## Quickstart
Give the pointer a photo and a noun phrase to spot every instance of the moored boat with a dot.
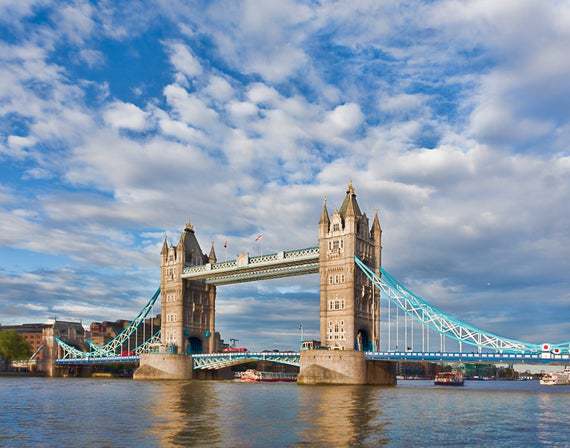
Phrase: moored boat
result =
(453, 378)
(255, 376)
(556, 378)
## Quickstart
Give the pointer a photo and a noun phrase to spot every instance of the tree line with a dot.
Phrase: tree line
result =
(13, 346)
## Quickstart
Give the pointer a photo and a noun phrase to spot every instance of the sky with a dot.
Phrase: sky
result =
(120, 121)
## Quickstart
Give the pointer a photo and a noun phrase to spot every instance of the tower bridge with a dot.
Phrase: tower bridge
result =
(367, 317)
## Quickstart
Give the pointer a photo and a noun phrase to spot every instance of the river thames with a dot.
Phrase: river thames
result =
(107, 413)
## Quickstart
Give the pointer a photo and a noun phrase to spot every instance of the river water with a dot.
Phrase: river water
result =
(39, 412)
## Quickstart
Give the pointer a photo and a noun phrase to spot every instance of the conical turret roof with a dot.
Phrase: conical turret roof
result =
(350, 206)
(212, 257)
(325, 214)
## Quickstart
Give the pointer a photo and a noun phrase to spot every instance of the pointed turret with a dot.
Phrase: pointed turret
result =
(325, 214)
(188, 228)
(376, 234)
(164, 249)
(212, 257)
(350, 206)
(376, 229)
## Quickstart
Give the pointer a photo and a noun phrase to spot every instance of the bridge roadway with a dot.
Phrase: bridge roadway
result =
(244, 268)
(215, 361)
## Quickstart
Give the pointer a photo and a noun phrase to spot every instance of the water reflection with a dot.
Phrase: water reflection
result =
(341, 415)
(185, 414)
(80, 412)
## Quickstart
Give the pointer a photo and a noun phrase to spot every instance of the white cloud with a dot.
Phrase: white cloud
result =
(346, 117)
(261, 93)
(75, 21)
(183, 60)
(190, 107)
(219, 88)
(182, 131)
(125, 115)
(260, 37)
(402, 102)
(242, 109)
(92, 57)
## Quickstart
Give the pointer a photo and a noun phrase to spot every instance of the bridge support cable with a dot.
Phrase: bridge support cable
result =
(432, 317)
(129, 338)
(389, 323)
(126, 334)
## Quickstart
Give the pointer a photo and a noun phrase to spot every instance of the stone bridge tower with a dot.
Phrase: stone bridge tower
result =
(349, 306)
(188, 308)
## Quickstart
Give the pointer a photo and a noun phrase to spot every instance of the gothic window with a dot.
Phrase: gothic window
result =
(336, 227)
(336, 245)
(342, 278)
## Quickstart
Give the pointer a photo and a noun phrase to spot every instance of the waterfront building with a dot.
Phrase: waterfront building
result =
(32, 333)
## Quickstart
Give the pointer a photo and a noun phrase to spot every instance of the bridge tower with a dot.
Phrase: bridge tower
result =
(349, 311)
(349, 306)
(188, 307)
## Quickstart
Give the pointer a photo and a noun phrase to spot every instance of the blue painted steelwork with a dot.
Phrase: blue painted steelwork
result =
(214, 361)
(110, 348)
(449, 326)
(526, 358)
(97, 360)
(72, 353)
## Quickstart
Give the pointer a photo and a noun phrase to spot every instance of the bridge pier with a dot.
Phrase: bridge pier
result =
(164, 366)
(344, 367)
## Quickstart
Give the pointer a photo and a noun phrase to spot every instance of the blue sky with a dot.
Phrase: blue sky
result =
(120, 121)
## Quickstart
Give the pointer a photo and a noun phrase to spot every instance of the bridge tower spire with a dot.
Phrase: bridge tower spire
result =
(349, 311)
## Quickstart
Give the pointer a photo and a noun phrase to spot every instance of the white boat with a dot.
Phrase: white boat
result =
(557, 378)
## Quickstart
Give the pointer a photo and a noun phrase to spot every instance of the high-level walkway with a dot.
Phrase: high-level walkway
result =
(287, 263)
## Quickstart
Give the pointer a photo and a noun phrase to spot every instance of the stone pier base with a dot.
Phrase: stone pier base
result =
(344, 367)
(164, 366)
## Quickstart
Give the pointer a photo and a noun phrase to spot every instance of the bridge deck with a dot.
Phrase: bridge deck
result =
(220, 360)
(247, 269)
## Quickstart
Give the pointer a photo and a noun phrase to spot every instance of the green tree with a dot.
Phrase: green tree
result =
(13, 346)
